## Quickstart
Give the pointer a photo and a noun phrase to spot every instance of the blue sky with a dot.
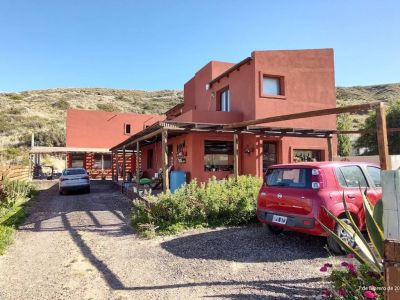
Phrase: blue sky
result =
(153, 45)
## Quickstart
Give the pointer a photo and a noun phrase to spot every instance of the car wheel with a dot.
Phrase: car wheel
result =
(333, 245)
(61, 192)
(87, 190)
(275, 229)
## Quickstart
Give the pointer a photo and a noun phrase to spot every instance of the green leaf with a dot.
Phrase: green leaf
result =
(374, 231)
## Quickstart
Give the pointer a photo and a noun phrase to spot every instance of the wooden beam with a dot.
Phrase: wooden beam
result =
(381, 132)
(164, 159)
(330, 151)
(236, 155)
(306, 114)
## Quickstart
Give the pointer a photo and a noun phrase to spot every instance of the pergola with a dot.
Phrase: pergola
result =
(161, 131)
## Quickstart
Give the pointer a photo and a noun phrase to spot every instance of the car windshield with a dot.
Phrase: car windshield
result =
(74, 172)
(289, 177)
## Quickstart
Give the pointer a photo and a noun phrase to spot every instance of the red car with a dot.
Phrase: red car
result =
(293, 196)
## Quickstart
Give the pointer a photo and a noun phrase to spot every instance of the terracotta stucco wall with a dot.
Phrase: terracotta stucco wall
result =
(308, 83)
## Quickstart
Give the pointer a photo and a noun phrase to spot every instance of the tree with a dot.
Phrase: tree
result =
(344, 141)
(369, 140)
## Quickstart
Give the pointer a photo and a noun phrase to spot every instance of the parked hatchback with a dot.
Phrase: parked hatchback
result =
(73, 179)
(293, 196)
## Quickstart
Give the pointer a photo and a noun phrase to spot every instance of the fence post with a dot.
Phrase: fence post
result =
(391, 223)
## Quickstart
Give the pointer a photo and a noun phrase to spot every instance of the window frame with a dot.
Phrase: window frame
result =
(339, 169)
(219, 99)
(230, 152)
(126, 131)
(282, 89)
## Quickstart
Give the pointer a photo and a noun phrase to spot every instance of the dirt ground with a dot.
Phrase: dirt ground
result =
(80, 247)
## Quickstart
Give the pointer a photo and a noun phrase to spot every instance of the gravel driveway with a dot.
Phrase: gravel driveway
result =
(80, 247)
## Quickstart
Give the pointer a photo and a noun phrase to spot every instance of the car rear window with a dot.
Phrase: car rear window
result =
(289, 177)
(74, 172)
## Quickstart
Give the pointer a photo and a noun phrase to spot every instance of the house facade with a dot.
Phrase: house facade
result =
(266, 84)
(90, 134)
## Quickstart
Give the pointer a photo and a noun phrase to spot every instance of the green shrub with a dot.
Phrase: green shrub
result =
(215, 203)
(61, 104)
(107, 107)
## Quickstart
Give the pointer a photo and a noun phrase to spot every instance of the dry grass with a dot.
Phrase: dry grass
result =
(43, 111)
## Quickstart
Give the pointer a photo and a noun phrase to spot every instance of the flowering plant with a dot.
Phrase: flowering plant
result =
(352, 281)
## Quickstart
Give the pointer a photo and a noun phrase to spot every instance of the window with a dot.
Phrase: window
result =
(150, 159)
(74, 172)
(107, 161)
(97, 161)
(272, 85)
(375, 174)
(351, 176)
(224, 100)
(291, 178)
(77, 160)
(218, 156)
(102, 161)
(127, 128)
(306, 155)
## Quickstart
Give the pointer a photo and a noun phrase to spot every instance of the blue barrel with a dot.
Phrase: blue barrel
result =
(177, 179)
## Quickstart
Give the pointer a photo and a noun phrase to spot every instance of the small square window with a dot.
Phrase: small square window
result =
(272, 86)
(127, 128)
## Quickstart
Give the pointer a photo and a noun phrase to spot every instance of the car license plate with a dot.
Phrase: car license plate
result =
(279, 219)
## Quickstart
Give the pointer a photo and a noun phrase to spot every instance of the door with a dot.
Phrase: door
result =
(269, 155)
(351, 179)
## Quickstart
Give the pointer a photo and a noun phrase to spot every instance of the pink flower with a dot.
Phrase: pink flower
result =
(369, 295)
(342, 292)
(344, 264)
(323, 269)
(350, 255)
(326, 292)
(328, 265)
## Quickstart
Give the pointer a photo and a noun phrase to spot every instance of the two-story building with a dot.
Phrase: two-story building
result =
(198, 137)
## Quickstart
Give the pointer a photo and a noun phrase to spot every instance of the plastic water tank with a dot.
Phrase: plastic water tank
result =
(177, 179)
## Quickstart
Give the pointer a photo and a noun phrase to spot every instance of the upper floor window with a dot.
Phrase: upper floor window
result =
(127, 128)
(224, 100)
(273, 85)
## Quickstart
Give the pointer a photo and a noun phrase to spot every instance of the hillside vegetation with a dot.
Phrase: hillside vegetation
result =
(361, 94)
(43, 111)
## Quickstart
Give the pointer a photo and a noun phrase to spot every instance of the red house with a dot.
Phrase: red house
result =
(90, 135)
(196, 138)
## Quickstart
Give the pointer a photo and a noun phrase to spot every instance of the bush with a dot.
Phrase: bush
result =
(61, 104)
(215, 203)
(13, 195)
(107, 107)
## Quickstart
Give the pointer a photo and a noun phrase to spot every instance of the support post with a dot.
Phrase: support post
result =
(236, 155)
(137, 166)
(391, 223)
(381, 132)
(330, 151)
(123, 167)
(112, 166)
(164, 159)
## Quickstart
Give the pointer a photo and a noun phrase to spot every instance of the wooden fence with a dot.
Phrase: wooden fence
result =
(14, 172)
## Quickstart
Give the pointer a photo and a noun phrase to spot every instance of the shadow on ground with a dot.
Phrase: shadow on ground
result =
(240, 244)
(247, 244)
